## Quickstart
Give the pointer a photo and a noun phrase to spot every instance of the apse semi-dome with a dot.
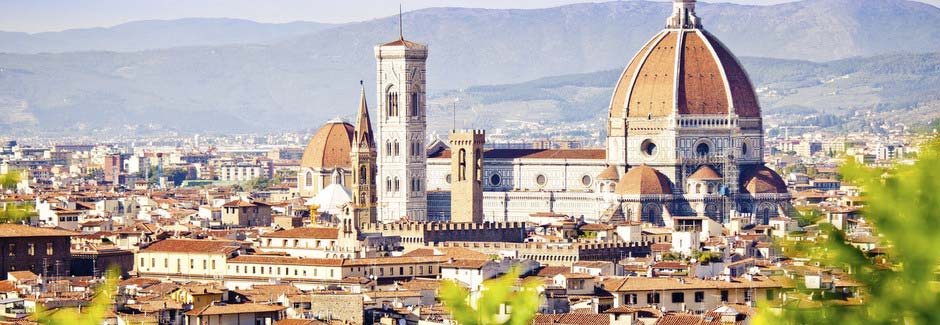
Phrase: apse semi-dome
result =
(762, 180)
(643, 180)
(684, 70)
(329, 147)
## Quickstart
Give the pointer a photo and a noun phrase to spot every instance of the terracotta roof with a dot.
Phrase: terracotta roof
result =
(591, 154)
(305, 232)
(286, 260)
(572, 318)
(643, 180)
(7, 286)
(759, 179)
(465, 264)
(609, 174)
(192, 246)
(16, 230)
(234, 309)
(705, 172)
(403, 42)
(238, 203)
(663, 284)
(329, 147)
(23, 276)
(650, 83)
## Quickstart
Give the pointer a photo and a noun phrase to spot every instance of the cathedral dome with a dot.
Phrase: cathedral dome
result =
(710, 79)
(329, 147)
(705, 172)
(643, 180)
(762, 180)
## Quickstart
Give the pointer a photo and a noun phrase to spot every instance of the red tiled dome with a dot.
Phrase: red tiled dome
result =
(643, 180)
(329, 147)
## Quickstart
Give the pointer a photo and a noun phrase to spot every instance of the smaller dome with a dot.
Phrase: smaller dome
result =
(705, 172)
(329, 147)
(609, 174)
(762, 180)
(643, 180)
(331, 199)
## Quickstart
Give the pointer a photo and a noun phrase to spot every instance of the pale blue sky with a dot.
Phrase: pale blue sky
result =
(53, 15)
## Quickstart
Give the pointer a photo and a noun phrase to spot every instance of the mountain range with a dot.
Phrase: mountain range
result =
(295, 76)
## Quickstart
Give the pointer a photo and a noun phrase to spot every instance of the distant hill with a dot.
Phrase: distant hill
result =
(300, 82)
(890, 88)
(156, 34)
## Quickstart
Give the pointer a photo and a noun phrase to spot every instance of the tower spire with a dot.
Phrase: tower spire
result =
(363, 124)
(401, 29)
(683, 15)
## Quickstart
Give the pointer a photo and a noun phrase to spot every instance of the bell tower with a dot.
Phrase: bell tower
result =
(402, 158)
(466, 164)
(362, 158)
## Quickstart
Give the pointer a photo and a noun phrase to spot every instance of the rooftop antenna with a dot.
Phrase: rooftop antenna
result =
(401, 32)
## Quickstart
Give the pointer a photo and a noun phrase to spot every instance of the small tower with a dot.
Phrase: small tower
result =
(466, 164)
(362, 157)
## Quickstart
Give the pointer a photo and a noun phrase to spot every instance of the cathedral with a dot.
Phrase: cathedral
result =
(684, 138)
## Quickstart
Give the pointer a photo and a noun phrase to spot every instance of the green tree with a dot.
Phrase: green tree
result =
(522, 301)
(901, 286)
(13, 212)
(92, 314)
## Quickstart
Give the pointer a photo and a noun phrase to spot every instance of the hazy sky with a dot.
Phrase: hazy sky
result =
(53, 15)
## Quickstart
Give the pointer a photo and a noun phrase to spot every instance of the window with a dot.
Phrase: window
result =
(495, 180)
(142, 262)
(702, 149)
(447, 179)
(770, 294)
(462, 165)
(586, 180)
(401, 270)
(388, 148)
(204, 264)
(362, 175)
(652, 298)
(748, 295)
(540, 180)
(166, 263)
(629, 299)
(396, 148)
(309, 177)
(12, 251)
(388, 184)
(699, 296)
(397, 187)
(49, 248)
(31, 249)
(391, 103)
(414, 104)
(724, 295)
(648, 147)
(678, 297)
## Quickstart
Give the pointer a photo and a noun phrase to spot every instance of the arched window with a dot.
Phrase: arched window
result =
(396, 148)
(698, 188)
(397, 187)
(462, 165)
(388, 184)
(702, 149)
(309, 179)
(388, 148)
(391, 102)
(414, 104)
(478, 168)
(362, 175)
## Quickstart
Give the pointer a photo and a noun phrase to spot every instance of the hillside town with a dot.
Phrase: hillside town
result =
(678, 212)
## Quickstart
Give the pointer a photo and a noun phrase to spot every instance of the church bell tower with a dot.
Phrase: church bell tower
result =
(466, 192)
(362, 157)
(402, 160)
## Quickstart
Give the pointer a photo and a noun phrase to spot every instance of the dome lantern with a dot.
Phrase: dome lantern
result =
(683, 16)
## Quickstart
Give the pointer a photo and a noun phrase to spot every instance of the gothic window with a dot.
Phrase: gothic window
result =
(309, 179)
(414, 104)
(396, 148)
(362, 197)
(391, 102)
(388, 148)
(462, 165)
(362, 175)
(397, 187)
(388, 184)
(702, 149)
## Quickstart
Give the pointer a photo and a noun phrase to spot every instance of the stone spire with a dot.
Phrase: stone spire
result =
(683, 16)
(363, 136)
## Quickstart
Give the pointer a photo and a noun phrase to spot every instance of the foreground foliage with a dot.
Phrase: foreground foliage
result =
(903, 204)
(501, 301)
(93, 314)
